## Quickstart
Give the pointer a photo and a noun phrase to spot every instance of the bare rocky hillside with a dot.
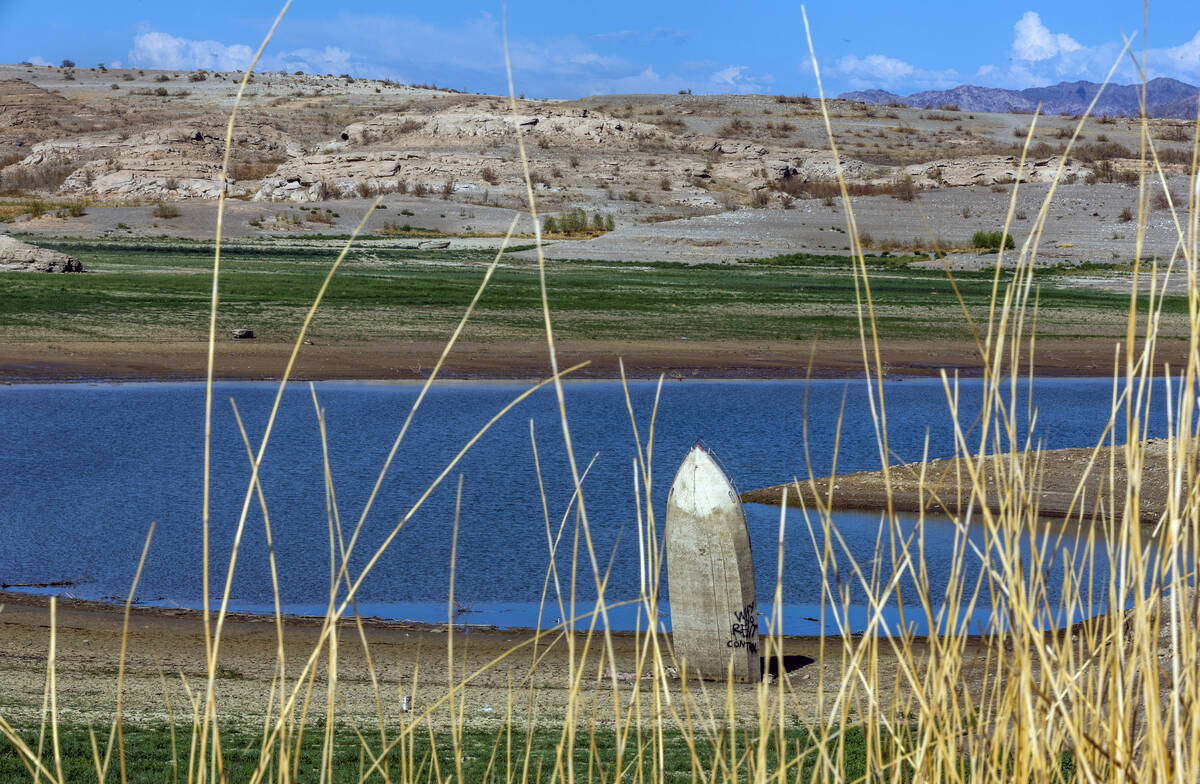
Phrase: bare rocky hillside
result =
(125, 139)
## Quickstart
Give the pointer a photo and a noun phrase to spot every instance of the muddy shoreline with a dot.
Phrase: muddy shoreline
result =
(516, 674)
(83, 361)
(1068, 483)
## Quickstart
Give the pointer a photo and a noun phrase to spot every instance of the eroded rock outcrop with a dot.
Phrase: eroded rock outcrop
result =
(1000, 170)
(176, 161)
(17, 256)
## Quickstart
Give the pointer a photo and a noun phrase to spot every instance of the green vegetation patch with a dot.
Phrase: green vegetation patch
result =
(160, 292)
(991, 240)
(155, 754)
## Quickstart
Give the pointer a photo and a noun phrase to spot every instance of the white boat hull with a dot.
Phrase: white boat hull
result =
(710, 574)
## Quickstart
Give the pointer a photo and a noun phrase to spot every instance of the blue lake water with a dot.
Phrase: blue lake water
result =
(85, 468)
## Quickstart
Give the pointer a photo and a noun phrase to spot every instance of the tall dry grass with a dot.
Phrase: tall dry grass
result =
(1114, 697)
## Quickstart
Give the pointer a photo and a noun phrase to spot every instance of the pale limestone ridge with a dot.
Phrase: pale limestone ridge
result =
(179, 160)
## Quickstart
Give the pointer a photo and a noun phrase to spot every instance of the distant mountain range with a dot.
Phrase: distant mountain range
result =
(1164, 98)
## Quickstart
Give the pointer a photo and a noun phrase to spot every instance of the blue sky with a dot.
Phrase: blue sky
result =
(568, 49)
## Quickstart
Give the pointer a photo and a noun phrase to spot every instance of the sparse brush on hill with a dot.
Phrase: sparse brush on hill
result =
(165, 210)
(16, 180)
(735, 127)
(254, 168)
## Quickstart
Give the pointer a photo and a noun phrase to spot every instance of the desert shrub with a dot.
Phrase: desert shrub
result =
(409, 125)
(162, 78)
(1043, 150)
(1105, 171)
(197, 76)
(488, 175)
(393, 227)
(320, 216)
(127, 78)
(576, 221)
(1102, 150)
(670, 123)
(165, 210)
(735, 127)
(1175, 155)
(68, 63)
(991, 240)
(114, 86)
(1159, 200)
(665, 184)
(420, 189)
(829, 191)
(1126, 215)
(447, 189)
(254, 168)
(905, 189)
(573, 222)
(1175, 133)
(48, 177)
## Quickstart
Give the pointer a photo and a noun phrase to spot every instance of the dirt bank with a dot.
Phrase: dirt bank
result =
(1070, 483)
(29, 362)
(407, 657)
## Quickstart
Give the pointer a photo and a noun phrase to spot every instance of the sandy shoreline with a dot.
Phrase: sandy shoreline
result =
(66, 361)
(409, 658)
(1068, 483)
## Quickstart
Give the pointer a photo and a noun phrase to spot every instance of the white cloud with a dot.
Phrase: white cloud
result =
(1032, 40)
(331, 59)
(877, 67)
(166, 51)
(1185, 58)
(646, 81)
(737, 79)
(619, 36)
(728, 76)
(1040, 57)
(880, 71)
(35, 60)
